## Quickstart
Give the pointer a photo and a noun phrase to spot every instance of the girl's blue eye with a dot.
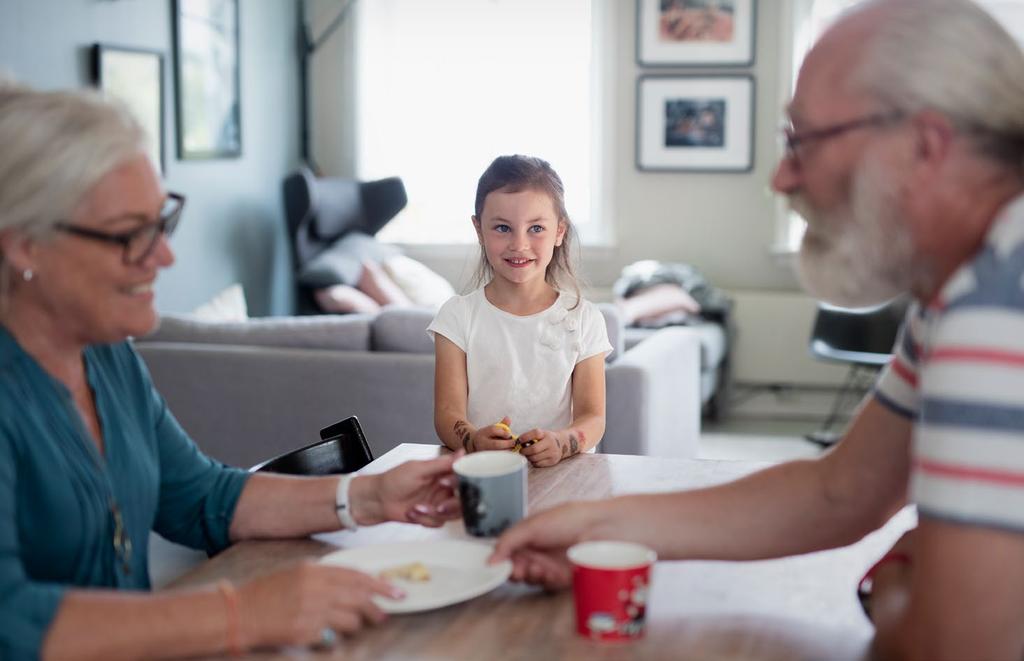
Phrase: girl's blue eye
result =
(536, 229)
(502, 228)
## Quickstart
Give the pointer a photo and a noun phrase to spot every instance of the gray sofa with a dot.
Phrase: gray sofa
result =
(714, 361)
(250, 390)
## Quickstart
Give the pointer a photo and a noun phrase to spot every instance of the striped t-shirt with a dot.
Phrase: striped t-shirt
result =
(958, 373)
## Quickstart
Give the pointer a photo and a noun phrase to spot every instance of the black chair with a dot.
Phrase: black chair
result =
(861, 338)
(321, 210)
(342, 449)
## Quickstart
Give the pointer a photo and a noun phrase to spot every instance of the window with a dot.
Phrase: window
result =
(445, 86)
(810, 19)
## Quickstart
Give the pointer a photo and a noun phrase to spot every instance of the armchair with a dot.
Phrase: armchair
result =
(334, 219)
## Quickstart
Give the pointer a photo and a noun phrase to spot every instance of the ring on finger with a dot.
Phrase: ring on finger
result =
(328, 638)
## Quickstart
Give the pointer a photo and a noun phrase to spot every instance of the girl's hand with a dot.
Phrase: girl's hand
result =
(493, 437)
(541, 447)
(293, 606)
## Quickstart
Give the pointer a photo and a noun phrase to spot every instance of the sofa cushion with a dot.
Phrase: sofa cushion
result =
(402, 330)
(616, 330)
(342, 332)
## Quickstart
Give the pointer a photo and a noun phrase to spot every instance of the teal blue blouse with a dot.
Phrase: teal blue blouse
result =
(62, 503)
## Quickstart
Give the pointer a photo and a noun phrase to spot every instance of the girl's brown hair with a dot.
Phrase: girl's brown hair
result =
(516, 173)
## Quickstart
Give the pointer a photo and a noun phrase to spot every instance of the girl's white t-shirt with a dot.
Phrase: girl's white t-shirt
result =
(521, 367)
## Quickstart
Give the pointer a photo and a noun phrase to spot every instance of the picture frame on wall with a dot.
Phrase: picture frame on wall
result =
(135, 76)
(682, 33)
(695, 123)
(206, 63)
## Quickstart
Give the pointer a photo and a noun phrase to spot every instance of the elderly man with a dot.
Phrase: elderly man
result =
(906, 156)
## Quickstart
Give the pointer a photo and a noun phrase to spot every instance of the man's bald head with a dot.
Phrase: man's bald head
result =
(948, 56)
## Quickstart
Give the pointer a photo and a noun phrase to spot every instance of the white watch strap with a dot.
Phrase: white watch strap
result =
(341, 503)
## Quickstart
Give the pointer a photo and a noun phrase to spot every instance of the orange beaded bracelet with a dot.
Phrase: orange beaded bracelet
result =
(234, 634)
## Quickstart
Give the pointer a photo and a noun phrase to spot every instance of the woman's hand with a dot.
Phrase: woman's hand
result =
(293, 606)
(415, 492)
(493, 437)
(542, 447)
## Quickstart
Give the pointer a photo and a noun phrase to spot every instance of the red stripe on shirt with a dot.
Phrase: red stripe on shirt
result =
(969, 354)
(972, 474)
(904, 372)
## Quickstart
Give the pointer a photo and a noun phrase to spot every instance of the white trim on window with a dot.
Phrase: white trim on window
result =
(792, 40)
(440, 131)
(802, 21)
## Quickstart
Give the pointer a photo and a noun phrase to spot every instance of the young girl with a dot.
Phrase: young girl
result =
(519, 353)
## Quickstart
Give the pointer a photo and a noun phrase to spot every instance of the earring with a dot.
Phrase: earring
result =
(27, 275)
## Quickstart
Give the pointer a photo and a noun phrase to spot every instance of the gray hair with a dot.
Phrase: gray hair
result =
(953, 57)
(56, 148)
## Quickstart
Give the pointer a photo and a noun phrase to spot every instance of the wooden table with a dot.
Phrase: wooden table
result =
(795, 608)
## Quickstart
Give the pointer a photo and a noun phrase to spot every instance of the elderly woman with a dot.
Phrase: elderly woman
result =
(90, 457)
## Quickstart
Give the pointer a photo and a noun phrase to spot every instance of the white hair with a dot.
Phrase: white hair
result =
(56, 148)
(953, 57)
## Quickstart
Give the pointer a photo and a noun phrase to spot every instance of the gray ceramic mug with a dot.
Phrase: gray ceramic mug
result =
(492, 488)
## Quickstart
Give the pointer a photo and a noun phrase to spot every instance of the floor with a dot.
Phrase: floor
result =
(759, 440)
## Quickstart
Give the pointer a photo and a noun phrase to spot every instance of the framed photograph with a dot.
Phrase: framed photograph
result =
(682, 33)
(136, 77)
(695, 123)
(206, 75)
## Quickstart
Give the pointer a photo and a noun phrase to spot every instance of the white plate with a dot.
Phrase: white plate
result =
(458, 571)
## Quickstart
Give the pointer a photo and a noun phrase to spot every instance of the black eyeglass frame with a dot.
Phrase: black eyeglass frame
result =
(794, 139)
(165, 226)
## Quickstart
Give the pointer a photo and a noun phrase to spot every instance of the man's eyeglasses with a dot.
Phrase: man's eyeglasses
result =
(139, 243)
(794, 140)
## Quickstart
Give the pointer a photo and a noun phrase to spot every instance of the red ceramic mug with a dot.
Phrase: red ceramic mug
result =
(610, 583)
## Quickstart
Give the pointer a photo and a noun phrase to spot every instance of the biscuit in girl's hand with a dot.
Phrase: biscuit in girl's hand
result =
(518, 446)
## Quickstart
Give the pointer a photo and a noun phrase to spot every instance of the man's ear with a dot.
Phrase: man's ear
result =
(933, 139)
(17, 249)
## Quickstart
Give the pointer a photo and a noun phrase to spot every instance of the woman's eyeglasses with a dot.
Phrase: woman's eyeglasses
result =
(139, 243)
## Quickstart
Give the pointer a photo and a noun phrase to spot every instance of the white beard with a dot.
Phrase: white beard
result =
(861, 254)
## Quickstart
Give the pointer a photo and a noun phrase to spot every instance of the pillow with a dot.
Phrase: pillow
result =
(342, 262)
(342, 299)
(344, 333)
(655, 302)
(420, 284)
(228, 305)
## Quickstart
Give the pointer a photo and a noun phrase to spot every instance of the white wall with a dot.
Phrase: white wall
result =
(332, 89)
(232, 229)
(772, 345)
(721, 223)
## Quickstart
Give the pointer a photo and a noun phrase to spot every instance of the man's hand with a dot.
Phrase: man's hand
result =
(493, 437)
(415, 492)
(537, 545)
(890, 589)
